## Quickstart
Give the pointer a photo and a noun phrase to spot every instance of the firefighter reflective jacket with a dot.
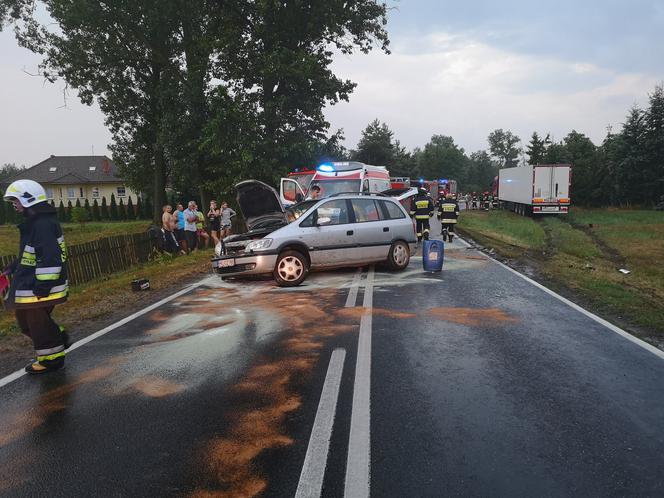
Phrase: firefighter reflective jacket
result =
(40, 272)
(449, 210)
(421, 207)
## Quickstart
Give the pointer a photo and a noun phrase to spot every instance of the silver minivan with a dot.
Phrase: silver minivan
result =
(338, 231)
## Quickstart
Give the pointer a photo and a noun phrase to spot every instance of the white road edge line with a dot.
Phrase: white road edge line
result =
(358, 475)
(20, 373)
(354, 287)
(315, 461)
(648, 347)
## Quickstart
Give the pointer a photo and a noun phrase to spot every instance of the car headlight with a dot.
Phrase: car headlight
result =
(217, 249)
(258, 244)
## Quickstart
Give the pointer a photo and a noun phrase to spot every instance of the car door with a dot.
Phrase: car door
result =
(290, 192)
(329, 233)
(372, 232)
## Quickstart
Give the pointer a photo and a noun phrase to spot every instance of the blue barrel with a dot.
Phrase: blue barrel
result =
(433, 252)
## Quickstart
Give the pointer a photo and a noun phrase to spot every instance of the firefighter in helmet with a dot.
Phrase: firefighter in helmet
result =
(448, 212)
(39, 275)
(422, 208)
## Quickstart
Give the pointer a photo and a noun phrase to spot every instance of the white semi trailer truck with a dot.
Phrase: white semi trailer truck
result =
(540, 189)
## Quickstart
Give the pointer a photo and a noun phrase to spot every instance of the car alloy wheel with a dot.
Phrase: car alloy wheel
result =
(399, 256)
(291, 269)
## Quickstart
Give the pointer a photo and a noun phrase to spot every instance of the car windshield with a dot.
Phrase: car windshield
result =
(331, 187)
(294, 212)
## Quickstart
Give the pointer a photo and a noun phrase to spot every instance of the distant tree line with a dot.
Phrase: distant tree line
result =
(627, 169)
(81, 213)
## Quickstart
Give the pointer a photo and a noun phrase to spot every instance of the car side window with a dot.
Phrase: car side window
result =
(365, 210)
(330, 213)
(391, 211)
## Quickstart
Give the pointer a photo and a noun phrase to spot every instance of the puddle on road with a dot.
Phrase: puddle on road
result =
(474, 317)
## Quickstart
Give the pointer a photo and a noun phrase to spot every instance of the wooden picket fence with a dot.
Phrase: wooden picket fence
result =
(91, 260)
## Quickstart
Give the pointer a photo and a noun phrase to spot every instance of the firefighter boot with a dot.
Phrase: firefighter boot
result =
(42, 367)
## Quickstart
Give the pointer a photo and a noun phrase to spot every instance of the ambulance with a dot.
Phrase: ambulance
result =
(335, 178)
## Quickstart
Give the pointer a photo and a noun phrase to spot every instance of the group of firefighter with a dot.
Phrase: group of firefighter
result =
(422, 208)
(484, 201)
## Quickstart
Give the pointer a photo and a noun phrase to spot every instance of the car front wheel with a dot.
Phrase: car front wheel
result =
(291, 269)
(399, 256)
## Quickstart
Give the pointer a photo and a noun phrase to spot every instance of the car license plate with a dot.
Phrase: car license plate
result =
(550, 208)
(225, 263)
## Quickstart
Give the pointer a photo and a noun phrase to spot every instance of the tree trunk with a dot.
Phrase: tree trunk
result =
(158, 193)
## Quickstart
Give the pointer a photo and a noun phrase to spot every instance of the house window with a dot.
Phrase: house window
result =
(60, 192)
(95, 192)
(52, 169)
(81, 192)
(71, 193)
(121, 192)
(49, 193)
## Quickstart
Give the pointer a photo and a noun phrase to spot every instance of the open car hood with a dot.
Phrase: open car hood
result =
(260, 205)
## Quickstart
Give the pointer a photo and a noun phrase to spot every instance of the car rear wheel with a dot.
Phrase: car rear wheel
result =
(291, 269)
(399, 256)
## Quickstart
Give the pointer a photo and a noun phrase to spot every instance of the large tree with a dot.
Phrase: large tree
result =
(280, 67)
(504, 147)
(442, 158)
(536, 149)
(376, 145)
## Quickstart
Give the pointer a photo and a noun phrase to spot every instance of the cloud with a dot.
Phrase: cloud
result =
(34, 123)
(463, 87)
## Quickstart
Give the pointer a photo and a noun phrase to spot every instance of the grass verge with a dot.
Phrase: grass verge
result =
(583, 254)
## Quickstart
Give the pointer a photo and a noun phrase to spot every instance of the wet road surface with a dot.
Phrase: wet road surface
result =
(470, 382)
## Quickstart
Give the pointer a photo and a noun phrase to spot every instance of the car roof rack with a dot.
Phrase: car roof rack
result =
(356, 193)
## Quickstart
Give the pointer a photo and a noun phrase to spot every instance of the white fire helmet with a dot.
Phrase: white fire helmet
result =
(27, 192)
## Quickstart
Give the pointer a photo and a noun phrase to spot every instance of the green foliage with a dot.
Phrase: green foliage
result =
(113, 211)
(122, 210)
(68, 211)
(140, 211)
(96, 214)
(131, 213)
(503, 146)
(79, 215)
(105, 215)
(536, 149)
(88, 209)
(442, 158)
(62, 214)
(78, 203)
(376, 146)
(8, 170)
(3, 212)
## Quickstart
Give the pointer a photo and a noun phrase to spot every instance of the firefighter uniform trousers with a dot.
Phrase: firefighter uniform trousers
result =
(46, 335)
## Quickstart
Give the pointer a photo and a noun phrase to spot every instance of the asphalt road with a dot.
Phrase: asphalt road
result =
(470, 382)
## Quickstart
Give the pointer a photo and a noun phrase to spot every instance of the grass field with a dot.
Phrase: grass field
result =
(584, 251)
(74, 233)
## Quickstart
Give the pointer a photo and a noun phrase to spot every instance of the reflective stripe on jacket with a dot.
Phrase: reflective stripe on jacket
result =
(40, 272)
(449, 211)
(421, 207)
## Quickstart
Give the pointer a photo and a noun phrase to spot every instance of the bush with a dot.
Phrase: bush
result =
(114, 208)
(104, 210)
(79, 215)
(62, 215)
(122, 211)
(96, 214)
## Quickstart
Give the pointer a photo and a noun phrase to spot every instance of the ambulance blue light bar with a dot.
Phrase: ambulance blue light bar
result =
(442, 180)
(326, 168)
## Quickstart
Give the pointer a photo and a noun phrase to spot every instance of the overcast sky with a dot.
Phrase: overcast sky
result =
(456, 68)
